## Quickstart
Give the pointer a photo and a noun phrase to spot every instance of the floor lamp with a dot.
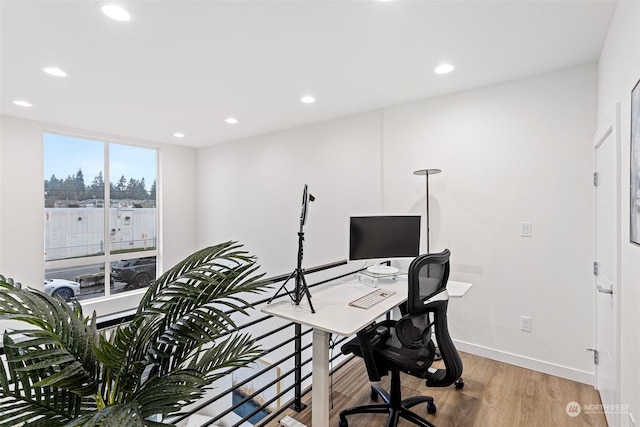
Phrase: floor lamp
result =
(426, 173)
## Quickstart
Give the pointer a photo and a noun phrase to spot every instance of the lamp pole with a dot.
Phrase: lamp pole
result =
(426, 173)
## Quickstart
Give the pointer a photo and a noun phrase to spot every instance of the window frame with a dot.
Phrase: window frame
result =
(108, 258)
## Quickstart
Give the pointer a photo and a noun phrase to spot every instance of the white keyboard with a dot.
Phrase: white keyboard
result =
(371, 298)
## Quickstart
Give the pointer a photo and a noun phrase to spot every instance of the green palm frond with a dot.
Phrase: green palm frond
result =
(49, 368)
(166, 394)
(182, 338)
(237, 351)
(56, 353)
(121, 415)
(220, 259)
(186, 308)
(15, 410)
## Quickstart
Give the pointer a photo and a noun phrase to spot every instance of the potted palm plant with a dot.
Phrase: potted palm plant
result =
(61, 371)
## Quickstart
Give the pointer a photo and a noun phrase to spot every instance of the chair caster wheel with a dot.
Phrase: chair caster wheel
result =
(343, 423)
(374, 394)
(459, 384)
(431, 407)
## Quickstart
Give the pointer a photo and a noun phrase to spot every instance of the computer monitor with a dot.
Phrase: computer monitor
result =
(384, 237)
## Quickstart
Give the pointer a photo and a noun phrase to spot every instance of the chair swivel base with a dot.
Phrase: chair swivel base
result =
(394, 405)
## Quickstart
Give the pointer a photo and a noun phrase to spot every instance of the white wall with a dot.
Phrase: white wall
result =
(251, 190)
(513, 152)
(619, 71)
(510, 153)
(21, 205)
(1, 239)
(22, 202)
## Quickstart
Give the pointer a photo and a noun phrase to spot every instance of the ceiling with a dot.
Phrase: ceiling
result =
(186, 66)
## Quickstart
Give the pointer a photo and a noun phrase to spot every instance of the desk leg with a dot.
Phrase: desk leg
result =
(320, 379)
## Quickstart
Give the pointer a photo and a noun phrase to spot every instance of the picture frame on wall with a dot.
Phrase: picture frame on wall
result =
(634, 206)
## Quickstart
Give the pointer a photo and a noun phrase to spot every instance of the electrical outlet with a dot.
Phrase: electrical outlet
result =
(525, 323)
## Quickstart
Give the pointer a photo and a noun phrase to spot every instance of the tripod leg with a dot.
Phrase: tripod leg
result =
(306, 291)
(282, 287)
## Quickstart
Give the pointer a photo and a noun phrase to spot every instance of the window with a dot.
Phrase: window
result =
(98, 239)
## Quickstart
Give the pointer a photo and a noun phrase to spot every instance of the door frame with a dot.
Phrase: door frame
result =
(611, 127)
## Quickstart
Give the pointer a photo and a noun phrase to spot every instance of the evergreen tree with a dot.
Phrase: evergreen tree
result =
(68, 189)
(112, 191)
(79, 185)
(142, 190)
(52, 191)
(96, 190)
(152, 192)
(132, 187)
(120, 189)
(73, 189)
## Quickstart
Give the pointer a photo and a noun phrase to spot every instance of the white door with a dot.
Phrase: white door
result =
(606, 252)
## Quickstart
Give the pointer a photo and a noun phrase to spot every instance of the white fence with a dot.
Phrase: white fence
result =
(79, 232)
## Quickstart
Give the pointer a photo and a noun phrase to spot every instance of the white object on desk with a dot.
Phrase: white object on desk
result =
(371, 278)
(382, 269)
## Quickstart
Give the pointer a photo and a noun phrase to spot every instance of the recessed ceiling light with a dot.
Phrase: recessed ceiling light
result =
(231, 120)
(23, 103)
(179, 135)
(308, 99)
(54, 71)
(114, 11)
(444, 69)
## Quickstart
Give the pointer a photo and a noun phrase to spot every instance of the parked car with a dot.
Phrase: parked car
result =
(136, 272)
(65, 289)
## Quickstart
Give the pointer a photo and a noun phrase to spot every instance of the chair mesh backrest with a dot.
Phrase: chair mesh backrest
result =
(410, 346)
(430, 280)
(428, 275)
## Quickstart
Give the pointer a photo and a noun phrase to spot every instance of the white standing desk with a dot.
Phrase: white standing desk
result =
(457, 289)
(334, 315)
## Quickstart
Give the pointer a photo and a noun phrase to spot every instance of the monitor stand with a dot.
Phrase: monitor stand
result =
(370, 278)
(382, 270)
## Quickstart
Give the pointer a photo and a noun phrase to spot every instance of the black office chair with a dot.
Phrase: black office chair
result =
(406, 345)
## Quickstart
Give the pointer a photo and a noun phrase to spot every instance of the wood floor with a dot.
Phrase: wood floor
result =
(494, 395)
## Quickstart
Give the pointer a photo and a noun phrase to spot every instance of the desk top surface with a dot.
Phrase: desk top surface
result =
(333, 312)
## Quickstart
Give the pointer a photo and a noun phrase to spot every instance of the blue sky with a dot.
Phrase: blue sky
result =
(64, 155)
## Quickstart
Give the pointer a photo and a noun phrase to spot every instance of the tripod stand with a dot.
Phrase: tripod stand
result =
(301, 289)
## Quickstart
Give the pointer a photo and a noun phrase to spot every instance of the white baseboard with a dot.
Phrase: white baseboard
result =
(573, 374)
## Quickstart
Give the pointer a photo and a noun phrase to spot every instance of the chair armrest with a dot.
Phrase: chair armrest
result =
(371, 337)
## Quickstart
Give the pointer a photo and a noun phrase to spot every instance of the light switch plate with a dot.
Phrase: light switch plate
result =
(525, 229)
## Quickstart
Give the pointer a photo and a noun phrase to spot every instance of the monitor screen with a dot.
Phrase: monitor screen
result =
(384, 236)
